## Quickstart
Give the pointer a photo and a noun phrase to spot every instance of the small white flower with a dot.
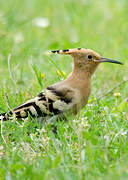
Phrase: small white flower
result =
(41, 22)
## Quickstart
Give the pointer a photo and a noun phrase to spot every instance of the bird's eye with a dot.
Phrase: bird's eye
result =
(89, 56)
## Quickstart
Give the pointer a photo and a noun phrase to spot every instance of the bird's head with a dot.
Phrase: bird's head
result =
(85, 59)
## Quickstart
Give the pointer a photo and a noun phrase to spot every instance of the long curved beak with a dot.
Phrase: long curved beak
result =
(110, 61)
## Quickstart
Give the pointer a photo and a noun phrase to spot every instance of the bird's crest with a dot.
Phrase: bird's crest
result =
(68, 51)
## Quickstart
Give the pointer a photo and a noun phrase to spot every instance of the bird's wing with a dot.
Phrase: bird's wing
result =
(49, 102)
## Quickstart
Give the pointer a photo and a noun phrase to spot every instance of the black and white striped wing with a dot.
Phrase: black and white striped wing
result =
(49, 102)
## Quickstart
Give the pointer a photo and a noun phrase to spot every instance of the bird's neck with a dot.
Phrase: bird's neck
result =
(84, 68)
(79, 79)
(82, 82)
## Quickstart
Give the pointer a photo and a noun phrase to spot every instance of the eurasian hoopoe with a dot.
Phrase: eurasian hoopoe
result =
(69, 94)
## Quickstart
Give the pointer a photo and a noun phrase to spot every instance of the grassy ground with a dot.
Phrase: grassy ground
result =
(94, 144)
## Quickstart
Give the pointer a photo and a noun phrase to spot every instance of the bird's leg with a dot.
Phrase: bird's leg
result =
(59, 118)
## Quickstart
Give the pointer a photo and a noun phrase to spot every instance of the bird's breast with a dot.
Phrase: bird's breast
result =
(81, 97)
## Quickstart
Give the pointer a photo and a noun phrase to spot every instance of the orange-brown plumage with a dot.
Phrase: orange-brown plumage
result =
(70, 94)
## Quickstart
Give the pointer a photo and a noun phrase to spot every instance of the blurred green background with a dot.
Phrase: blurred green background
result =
(29, 28)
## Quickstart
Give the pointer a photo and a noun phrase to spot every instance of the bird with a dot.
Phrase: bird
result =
(68, 95)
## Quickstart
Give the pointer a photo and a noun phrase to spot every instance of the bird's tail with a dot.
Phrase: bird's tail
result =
(40, 106)
(5, 116)
(33, 107)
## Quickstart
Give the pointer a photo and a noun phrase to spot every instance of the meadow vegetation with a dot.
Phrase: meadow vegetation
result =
(92, 145)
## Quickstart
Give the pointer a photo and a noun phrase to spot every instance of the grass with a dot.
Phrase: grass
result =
(92, 145)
